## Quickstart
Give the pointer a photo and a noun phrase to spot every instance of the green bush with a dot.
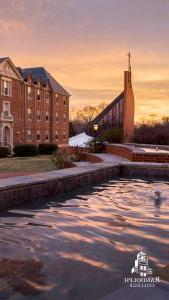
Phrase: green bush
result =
(4, 151)
(114, 135)
(47, 148)
(25, 150)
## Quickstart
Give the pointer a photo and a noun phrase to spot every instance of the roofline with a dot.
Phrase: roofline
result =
(16, 71)
(46, 72)
(102, 113)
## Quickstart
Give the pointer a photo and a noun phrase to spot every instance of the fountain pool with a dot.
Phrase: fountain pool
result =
(82, 245)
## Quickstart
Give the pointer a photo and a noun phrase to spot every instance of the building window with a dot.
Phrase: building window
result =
(30, 113)
(29, 92)
(47, 116)
(57, 98)
(46, 135)
(38, 94)
(64, 117)
(38, 135)
(64, 135)
(56, 135)
(6, 88)
(64, 100)
(6, 109)
(47, 96)
(29, 135)
(38, 114)
(57, 117)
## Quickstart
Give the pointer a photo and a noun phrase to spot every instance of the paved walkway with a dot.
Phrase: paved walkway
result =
(110, 158)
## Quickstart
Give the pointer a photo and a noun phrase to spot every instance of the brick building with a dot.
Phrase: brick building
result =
(120, 112)
(34, 107)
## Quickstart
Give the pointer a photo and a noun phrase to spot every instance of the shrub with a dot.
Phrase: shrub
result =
(4, 152)
(60, 159)
(113, 135)
(25, 150)
(78, 154)
(47, 148)
(96, 146)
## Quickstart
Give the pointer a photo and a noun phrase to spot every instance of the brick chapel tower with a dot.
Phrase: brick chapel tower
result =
(128, 105)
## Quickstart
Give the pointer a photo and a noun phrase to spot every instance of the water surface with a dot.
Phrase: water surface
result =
(81, 246)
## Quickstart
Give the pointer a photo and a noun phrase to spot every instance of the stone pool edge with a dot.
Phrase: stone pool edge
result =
(23, 189)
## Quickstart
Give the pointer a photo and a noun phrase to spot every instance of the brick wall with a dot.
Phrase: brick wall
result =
(125, 152)
(119, 151)
(19, 103)
(150, 157)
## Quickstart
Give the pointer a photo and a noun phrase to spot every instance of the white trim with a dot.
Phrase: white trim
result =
(6, 79)
(9, 89)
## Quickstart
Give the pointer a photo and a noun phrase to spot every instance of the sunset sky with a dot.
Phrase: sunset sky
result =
(84, 45)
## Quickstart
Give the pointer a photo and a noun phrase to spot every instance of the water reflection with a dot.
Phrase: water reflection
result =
(82, 245)
(24, 276)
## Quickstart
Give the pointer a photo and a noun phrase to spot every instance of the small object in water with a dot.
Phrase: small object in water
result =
(156, 148)
(157, 193)
(157, 199)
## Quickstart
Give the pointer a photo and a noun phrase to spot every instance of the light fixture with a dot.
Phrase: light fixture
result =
(96, 127)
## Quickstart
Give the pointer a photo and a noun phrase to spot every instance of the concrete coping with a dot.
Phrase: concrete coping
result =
(120, 145)
(38, 178)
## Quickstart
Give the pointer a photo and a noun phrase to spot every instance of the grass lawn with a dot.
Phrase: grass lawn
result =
(26, 164)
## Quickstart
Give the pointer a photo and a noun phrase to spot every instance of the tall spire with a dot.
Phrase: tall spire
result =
(129, 61)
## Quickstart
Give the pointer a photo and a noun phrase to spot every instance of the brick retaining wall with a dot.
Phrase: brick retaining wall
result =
(12, 196)
(151, 157)
(123, 151)
(126, 152)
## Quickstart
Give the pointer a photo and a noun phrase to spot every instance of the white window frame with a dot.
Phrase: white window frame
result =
(9, 111)
(3, 79)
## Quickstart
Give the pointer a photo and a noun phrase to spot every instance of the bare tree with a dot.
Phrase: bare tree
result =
(88, 113)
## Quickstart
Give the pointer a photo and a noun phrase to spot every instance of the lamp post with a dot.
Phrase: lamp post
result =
(95, 130)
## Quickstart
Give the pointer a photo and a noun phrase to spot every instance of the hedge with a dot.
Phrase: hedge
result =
(4, 152)
(47, 148)
(25, 150)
